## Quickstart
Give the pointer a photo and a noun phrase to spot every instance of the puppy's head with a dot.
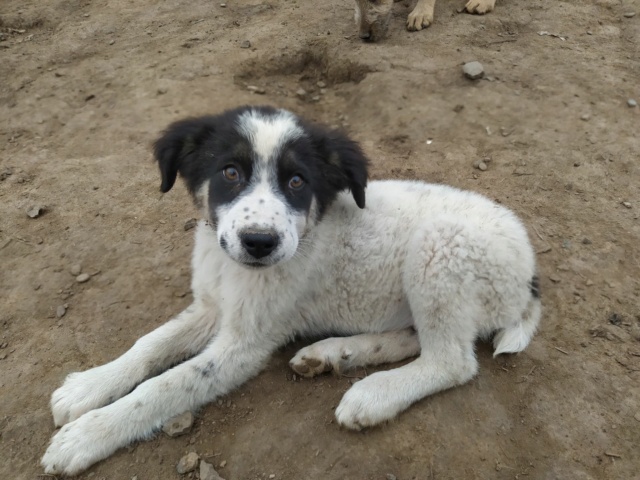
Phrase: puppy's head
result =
(372, 18)
(261, 176)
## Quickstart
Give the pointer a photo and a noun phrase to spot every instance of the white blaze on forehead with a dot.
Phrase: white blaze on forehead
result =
(267, 133)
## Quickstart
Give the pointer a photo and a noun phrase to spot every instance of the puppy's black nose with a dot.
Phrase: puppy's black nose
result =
(259, 245)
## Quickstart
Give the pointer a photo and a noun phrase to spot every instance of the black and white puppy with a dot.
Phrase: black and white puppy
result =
(286, 246)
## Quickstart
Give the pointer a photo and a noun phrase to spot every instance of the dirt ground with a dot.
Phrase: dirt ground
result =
(86, 86)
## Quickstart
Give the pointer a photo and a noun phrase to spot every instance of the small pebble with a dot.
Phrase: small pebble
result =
(473, 70)
(223, 5)
(189, 224)
(223, 463)
(273, 475)
(480, 165)
(632, 103)
(391, 476)
(161, 91)
(75, 270)
(207, 472)
(111, 42)
(637, 416)
(585, 117)
(626, 204)
(586, 241)
(178, 425)
(36, 211)
(245, 44)
(301, 92)
(629, 14)
(258, 90)
(188, 463)
(321, 84)
(60, 311)
(554, 279)
(83, 277)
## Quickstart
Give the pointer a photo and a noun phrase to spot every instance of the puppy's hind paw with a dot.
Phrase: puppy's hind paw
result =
(309, 366)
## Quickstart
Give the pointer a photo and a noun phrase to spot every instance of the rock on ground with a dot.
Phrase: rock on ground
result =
(473, 70)
(188, 463)
(178, 425)
(207, 472)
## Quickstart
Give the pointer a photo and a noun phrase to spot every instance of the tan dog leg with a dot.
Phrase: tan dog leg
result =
(421, 16)
(480, 6)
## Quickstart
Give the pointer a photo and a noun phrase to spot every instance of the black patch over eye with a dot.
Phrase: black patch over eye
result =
(296, 182)
(231, 174)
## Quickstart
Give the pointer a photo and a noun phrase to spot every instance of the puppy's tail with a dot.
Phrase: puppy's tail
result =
(515, 338)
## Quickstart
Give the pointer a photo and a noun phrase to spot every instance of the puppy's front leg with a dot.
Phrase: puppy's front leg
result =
(421, 16)
(174, 341)
(227, 362)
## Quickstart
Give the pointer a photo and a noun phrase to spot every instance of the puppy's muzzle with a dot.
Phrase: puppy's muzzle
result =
(259, 244)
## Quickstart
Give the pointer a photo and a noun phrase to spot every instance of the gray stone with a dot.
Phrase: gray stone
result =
(632, 103)
(188, 463)
(207, 472)
(245, 44)
(61, 310)
(83, 277)
(75, 270)
(178, 425)
(473, 70)
(35, 212)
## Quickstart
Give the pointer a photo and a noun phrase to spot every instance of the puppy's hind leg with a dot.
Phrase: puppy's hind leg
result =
(174, 341)
(439, 292)
(421, 16)
(342, 353)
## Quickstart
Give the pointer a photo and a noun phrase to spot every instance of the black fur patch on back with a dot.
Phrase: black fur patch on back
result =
(534, 286)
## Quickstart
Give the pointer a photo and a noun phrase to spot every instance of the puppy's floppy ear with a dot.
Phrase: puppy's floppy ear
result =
(346, 166)
(178, 142)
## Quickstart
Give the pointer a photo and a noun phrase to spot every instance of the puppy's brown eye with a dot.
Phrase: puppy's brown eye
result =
(231, 174)
(296, 182)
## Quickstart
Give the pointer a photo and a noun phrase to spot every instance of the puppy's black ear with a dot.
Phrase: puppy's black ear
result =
(346, 166)
(178, 142)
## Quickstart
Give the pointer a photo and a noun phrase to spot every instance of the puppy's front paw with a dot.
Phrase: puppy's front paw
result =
(366, 404)
(78, 445)
(480, 6)
(417, 20)
(82, 392)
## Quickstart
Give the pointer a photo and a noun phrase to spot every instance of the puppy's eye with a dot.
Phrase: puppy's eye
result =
(296, 182)
(231, 174)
